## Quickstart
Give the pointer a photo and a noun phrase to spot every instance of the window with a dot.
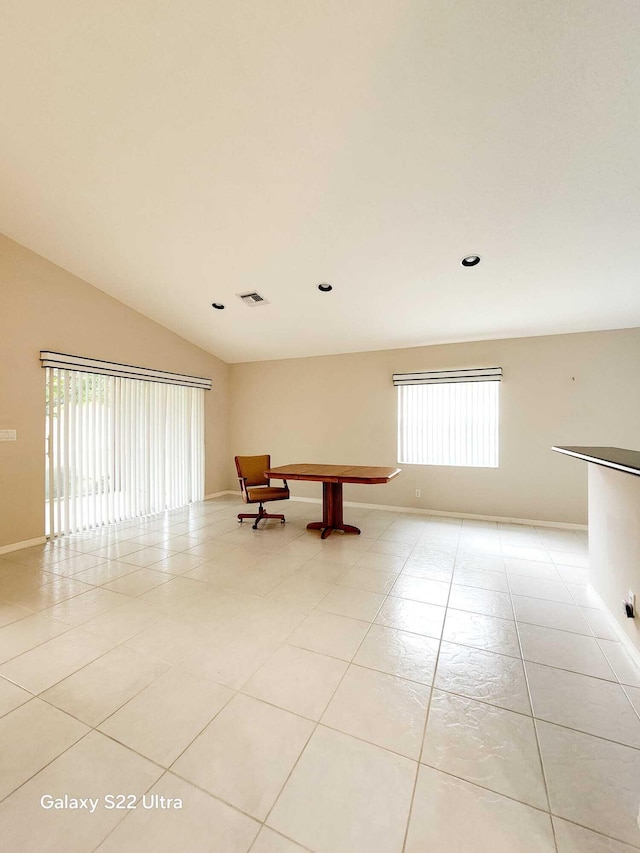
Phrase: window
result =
(449, 417)
(119, 447)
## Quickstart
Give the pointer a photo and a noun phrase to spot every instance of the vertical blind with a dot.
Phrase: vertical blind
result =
(449, 418)
(118, 448)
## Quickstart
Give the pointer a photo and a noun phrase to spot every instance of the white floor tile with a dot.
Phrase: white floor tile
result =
(269, 841)
(380, 708)
(450, 815)
(482, 632)
(301, 591)
(356, 603)
(591, 781)
(10, 612)
(489, 746)
(485, 676)
(297, 680)
(345, 796)
(564, 650)
(484, 601)
(550, 614)
(86, 606)
(624, 667)
(414, 616)
(105, 573)
(400, 653)
(373, 580)
(531, 568)
(526, 553)
(599, 623)
(123, 622)
(481, 578)
(382, 562)
(30, 737)
(202, 819)
(634, 696)
(51, 593)
(570, 558)
(96, 767)
(45, 665)
(162, 720)
(11, 696)
(97, 690)
(421, 589)
(576, 839)
(246, 754)
(19, 637)
(540, 588)
(583, 596)
(328, 634)
(429, 569)
(589, 705)
(146, 556)
(138, 581)
(230, 659)
(573, 575)
(479, 562)
(396, 549)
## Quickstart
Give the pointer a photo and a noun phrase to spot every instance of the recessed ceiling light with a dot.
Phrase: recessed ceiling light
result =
(325, 288)
(217, 305)
(470, 261)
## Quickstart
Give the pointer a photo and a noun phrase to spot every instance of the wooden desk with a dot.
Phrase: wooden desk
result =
(332, 477)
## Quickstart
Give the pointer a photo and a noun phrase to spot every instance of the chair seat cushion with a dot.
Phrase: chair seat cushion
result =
(267, 493)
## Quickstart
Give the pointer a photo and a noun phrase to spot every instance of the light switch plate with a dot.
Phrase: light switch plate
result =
(7, 435)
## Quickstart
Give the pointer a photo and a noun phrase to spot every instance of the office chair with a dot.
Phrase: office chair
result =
(256, 488)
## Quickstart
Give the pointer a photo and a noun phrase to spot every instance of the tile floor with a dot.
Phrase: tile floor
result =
(431, 685)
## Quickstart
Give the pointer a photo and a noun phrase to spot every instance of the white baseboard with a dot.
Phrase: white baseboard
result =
(533, 522)
(28, 543)
(220, 494)
(498, 518)
(624, 638)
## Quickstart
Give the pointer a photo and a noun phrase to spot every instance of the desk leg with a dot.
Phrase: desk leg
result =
(332, 512)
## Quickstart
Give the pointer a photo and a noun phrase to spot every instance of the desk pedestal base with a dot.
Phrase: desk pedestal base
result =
(332, 512)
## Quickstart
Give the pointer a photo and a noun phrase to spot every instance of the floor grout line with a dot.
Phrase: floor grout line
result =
(535, 728)
(426, 721)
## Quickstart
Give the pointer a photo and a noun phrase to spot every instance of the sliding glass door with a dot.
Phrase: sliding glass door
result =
(118, 448)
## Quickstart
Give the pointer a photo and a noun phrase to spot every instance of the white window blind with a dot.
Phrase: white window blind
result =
(449, 417)
(125, 371)
(118, 448)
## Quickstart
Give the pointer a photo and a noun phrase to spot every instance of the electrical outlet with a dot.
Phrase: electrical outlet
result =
(630, 604)
(7, 435)
(417, 493)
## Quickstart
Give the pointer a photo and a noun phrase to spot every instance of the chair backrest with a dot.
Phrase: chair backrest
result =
(252, 468)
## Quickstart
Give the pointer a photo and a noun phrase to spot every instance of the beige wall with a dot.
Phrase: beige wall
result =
(44, 307)
(561, 389)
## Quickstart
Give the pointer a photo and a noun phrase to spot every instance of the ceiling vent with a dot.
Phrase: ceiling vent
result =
(252, 298)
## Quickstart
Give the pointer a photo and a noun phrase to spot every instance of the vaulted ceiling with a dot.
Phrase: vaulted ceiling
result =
(177, 154)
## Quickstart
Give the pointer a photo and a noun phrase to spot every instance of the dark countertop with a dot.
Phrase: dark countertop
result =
(611, 457)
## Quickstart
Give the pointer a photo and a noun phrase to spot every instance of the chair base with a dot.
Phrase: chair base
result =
(259, 516)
